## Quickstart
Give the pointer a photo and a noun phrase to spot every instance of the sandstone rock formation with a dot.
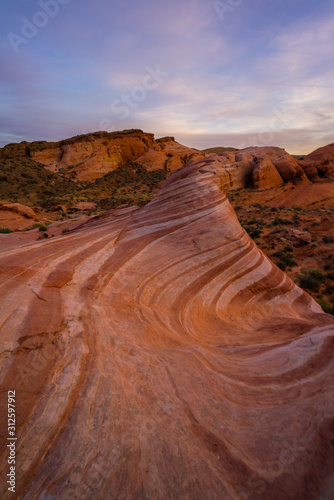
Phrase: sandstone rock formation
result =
(94, 155)
(325, 153)
(264, 168)
(91, 156)
(19, 209)
(157, 353)
(265, 174)
(297, 237)
(286, 165)
(15, 215)
(169, 155)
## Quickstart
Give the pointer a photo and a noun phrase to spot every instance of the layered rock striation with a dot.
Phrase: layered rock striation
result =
(158, 353)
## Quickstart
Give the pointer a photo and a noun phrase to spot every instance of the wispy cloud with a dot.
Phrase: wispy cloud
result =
(226, 80)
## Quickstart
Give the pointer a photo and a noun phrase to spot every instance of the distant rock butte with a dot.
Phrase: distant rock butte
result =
(91, 156)
(158, 353)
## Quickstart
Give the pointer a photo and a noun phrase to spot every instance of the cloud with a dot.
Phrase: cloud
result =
(244, 77)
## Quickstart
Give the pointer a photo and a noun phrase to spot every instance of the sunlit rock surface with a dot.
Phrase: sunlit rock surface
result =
(157, 353)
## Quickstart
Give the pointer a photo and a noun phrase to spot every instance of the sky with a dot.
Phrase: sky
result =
(208, 72)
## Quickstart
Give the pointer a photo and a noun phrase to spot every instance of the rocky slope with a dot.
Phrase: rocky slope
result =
(158, 353)
(325, 153)
(91, 156)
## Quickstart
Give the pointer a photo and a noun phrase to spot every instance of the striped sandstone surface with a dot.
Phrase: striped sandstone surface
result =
(157, 353)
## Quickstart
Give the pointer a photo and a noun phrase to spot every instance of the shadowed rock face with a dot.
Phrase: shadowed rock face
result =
(157, 353)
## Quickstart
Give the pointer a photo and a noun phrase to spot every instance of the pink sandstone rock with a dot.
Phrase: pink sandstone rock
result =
(158, 353)
(265, 174)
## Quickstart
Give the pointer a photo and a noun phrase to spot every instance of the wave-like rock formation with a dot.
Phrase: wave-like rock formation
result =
(157, 353)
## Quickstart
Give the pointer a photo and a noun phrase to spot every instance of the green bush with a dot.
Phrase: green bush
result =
(289, 261)
(311, 279)
(326, 307)
(5, 230)
(281, 264)
(316, 273)
(309, 283)
(254, 232)
(43, 236)
(278, 221)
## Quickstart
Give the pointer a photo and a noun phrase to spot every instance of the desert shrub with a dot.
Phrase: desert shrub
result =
(42, 228)
(328, 239)
(254, 232)
(288, 248)
(274, 209)
(43, 236)
(326, 307)
(289, 262)
(311, 279)
(282, 265)
(315, 273)
(276, 222)
(328, 266)
(254, 221)
(6, 230)
(309, 283)
(279, 221)
(285, 258)
(64, 231)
